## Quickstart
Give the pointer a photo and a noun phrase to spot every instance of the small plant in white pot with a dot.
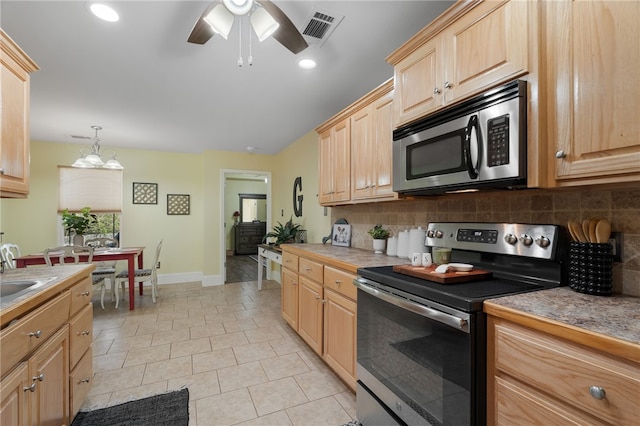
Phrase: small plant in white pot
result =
(379, 235)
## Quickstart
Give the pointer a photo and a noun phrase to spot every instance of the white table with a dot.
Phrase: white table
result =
(271, 254)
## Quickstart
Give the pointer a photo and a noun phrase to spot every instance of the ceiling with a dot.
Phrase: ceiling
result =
(149, 89)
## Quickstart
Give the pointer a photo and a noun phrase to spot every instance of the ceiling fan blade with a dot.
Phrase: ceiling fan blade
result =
(202, 32)
(288, 35)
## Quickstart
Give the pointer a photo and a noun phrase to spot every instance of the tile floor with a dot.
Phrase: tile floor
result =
(228, 344)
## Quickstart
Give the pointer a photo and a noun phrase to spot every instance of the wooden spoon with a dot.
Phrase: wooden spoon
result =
(577, 230)
(603, 231)
(585, 230)
(574, 237)
(592, 230)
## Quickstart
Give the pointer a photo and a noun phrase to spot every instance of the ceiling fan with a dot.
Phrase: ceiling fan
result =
(266, 19)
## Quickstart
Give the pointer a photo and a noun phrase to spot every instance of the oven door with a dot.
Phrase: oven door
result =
(422, 360)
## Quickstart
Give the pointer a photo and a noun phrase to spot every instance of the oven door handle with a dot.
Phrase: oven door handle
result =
(472, 169)
(444, 318)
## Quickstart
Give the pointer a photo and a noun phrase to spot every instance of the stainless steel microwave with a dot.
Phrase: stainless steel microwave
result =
(479, 143)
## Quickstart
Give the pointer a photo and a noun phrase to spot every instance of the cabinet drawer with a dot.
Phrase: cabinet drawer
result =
(310, 269)
(290, 261)
(340, 282)
(16, 341)
(568, 371)
(81, 331)
(80, 382)
(81, 295)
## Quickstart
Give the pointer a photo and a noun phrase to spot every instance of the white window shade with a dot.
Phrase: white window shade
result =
(99, 189)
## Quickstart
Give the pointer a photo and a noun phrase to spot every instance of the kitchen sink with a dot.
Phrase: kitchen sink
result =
(11, 289)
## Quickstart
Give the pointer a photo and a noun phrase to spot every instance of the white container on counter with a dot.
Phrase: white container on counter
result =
(392, 246)
(403, 244)
(416, 240)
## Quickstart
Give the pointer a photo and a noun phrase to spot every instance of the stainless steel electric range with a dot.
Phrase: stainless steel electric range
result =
(421, 353)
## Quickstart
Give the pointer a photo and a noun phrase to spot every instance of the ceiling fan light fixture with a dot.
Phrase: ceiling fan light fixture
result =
(220, 20)
(263, 23)
(238, 7)
(307, 64)
(104, 12)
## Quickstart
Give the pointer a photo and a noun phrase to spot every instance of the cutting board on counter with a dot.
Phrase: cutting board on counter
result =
(450, 277)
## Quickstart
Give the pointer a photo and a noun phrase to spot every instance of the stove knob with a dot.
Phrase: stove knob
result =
(510, 239)
(543, 241)
(438, 234)
(526, 240)
(430, 233)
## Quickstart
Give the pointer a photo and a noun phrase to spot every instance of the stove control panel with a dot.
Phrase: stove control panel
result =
(530, 240)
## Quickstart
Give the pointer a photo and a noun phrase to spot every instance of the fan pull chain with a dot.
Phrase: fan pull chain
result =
(250, 40)
(240, 61)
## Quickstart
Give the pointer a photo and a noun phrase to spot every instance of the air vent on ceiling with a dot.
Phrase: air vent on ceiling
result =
(319, 25)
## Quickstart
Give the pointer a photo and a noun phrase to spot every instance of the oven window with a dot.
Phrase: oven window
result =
(424, 363)
(436, 156)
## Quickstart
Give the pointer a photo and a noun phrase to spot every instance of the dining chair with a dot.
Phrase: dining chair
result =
(9, 252)
(141, 275)
(104, 269)
(71, 255)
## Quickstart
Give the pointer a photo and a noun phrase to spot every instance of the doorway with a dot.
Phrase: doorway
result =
(255, 188)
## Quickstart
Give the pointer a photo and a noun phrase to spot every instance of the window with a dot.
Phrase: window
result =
(108, 225)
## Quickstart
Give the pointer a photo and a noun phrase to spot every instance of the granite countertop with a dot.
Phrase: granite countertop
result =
(347, 258)
(617, 316)
(52, 281)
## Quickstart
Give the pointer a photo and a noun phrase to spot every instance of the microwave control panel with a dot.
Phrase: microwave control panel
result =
(498, 143)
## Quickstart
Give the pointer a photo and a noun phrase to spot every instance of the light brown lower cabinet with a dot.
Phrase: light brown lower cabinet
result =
(319, 303)
(536, 378)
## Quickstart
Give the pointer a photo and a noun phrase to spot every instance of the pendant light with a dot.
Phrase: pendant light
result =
(93, 159)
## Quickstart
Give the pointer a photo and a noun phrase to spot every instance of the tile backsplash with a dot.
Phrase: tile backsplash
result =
(620, 206)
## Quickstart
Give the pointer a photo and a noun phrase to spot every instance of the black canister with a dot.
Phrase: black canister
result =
(591, 268)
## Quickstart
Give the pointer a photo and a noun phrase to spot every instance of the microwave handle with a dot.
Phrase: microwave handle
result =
(471, 168)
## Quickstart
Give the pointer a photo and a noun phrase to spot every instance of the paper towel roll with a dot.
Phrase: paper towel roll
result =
(403, 244)
(392, 246)
(416, 240)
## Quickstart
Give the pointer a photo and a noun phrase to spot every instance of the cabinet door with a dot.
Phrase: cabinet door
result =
(289, 297)
(362, 154)
(418, 82)
(341, 161)
(340, 336)
(50, 366)
(486, 46)
(310, 313)
(382, 146)
(595, 90)
(325, 178)
(14, 397)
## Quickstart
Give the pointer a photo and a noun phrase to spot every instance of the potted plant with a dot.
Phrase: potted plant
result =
(379, 235)
(79, 224)
(283, 233)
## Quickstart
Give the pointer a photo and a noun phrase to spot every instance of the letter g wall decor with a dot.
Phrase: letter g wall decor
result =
(297, 199)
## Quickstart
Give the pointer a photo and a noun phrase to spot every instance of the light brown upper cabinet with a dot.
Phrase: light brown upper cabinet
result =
(334, 164)
(15, 67)
(594, 91)
(371, 146)
(471, 47)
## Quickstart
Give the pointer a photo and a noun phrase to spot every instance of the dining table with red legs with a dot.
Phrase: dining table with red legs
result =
(130, 254)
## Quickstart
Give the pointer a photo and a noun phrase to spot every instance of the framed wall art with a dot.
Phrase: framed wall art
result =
(145, 193)
(178, 204)
(341, 235)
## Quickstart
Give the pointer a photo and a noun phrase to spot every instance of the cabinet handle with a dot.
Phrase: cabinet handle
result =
(597, 392)
(39, 377)
(338, 282)
(294, 283)
(31, 388)
(36, 334)
(307, 269)
(447, 85)
(560, 154)
(86, 293)
(436, 91)
(85, 380)
(85, 333)
(1, 173)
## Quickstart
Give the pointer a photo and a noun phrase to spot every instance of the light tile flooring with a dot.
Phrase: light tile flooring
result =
(228, 344)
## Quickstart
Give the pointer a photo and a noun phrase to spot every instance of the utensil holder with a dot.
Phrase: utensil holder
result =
(591, 268)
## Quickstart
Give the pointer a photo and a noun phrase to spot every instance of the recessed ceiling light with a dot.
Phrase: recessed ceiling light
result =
(104, 12)
(307, 64)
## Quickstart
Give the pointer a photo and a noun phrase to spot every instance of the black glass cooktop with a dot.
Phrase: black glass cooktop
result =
(467, 296)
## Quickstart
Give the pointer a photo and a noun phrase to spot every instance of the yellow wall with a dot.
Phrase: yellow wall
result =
(192, 243)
